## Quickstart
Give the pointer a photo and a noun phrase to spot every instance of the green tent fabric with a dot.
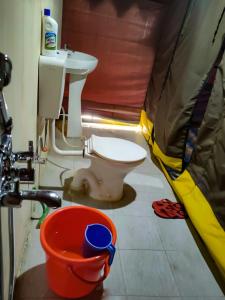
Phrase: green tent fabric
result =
(208, 161)
(167, 44)
(193, 57)
(184, 118)
(180, 70)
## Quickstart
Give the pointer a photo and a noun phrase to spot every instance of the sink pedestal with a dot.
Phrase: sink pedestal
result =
(76, 86)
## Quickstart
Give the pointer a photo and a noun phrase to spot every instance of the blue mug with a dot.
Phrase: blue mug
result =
(98, 238)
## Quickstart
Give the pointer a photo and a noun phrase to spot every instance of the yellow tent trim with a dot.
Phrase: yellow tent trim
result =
(114, 122)
(201, 216)
(147, 127)
(172, 162)
(198, 209)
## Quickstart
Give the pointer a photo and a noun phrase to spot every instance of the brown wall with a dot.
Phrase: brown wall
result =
(123, 35)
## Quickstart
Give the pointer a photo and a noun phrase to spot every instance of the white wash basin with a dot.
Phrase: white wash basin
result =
(80, 63)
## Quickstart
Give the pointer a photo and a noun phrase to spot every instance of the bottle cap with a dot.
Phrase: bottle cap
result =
(47, 12)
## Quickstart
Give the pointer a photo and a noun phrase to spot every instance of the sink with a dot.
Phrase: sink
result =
(80, 63)
(52, 72)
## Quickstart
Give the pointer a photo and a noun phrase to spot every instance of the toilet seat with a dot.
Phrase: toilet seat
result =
(115, 149)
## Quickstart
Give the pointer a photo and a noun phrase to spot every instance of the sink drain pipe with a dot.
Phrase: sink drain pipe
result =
(60, 151)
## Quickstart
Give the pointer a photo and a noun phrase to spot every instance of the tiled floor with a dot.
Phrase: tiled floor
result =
(156, 258)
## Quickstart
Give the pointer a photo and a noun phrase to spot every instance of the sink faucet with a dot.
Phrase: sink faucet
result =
(69, 51)
(65, 47)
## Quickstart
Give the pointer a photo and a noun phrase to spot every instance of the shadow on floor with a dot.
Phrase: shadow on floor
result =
(80, 197)
(33, 285)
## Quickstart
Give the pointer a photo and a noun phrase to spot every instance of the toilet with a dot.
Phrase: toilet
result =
(111, 160)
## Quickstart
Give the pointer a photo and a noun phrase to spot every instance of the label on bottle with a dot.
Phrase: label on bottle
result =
(50, 40)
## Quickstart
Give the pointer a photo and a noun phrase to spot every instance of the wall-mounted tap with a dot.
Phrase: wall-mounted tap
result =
(13, 199)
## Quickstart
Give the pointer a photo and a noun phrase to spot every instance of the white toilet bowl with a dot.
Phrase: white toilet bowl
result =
(111, 160)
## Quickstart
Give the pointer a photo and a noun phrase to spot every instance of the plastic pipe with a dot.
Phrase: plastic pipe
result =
(60, 151)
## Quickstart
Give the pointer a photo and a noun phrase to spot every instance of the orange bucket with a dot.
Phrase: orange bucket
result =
(69, 274)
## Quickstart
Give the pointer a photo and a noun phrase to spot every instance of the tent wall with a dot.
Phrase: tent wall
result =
(167, 43)
(193, 57)
(208, 162)
(123, 35)
(171, 104)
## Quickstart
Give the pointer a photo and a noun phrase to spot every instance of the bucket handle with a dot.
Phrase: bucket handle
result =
(103, 277)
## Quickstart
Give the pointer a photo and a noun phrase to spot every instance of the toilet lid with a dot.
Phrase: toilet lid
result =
(116, 149)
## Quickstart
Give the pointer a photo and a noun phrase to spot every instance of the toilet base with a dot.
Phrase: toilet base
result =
(102, 190)
(104, 179)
